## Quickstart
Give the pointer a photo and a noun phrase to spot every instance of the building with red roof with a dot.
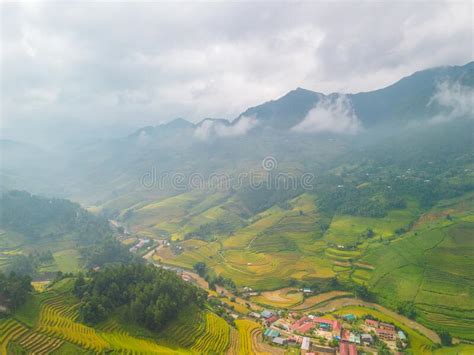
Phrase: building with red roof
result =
(345, 335)
(352, 349)
(347, 349)
(306, 327)
(371, 323)
(271, 320)
(301, 321)
(343, 348)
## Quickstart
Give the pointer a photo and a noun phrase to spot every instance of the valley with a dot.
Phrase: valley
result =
(322, 242)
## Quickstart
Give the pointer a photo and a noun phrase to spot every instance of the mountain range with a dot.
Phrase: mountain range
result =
(302, 129)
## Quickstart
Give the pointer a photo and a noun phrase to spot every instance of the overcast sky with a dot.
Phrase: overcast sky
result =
(102, 69)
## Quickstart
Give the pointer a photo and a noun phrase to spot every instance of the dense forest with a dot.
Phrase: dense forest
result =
(38, 217)
(150, 296)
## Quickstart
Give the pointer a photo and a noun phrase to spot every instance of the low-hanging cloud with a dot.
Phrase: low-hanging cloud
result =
(456, 100)
(331, 115)
(210, 128)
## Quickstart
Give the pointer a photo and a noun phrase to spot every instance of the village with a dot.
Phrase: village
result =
(310, 333)
(344, 334)
(305, 332)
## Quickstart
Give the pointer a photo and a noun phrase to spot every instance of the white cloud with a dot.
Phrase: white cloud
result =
(194, 60)
(456, 99)
(333, 115)
(210, 128)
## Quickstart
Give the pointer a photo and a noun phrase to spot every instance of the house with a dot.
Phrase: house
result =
(371, 323)
(336, 329)
(279, 341)
(304, 328)
(271, 333)
(307, 290)
(386, 326)
(343, 348)
(305, 344)
(402, 336)
(255, 315)
(301, 321)
(294, 339)
(282, 324)
(367, 339)
(323, 322)
(352, 349)
(354, 338)
(267, 314)
(385, 334)
(270, 320)
(345, 335)
(347, 349)
(349, 317)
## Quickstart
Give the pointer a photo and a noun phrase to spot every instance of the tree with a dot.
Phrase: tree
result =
(201, 268)
(407, 309)
(14, 289)
(363, 293)
(446, 339)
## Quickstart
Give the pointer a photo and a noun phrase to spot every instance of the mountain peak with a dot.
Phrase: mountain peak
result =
(178, 123)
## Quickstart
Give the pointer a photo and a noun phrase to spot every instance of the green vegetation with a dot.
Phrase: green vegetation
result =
(151, 296)
(14, 290)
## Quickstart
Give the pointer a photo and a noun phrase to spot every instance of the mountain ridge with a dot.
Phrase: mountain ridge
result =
(405, 99)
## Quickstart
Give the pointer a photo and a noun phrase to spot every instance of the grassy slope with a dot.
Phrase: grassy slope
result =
(432, 267)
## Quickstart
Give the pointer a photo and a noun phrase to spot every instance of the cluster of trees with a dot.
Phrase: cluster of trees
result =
(203, 271)
(107, 251)
(348, 199)
(407, 309)
(150, 296)
(14, 290)
(40, 218)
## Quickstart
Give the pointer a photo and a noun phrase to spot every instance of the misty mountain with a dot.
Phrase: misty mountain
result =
(405, 100)
(304, 130)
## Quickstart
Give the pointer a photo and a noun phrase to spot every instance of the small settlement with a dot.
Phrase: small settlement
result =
(331, 334)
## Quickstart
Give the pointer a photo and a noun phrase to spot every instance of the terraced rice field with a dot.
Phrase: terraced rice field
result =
(10, 330)
(431, 267)
(58, 326)
(319, 299)
(216, 336)
(200, 332)
(250, 339)
(285, 297)
(245, 329)
(58, 319)
(37, 343)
